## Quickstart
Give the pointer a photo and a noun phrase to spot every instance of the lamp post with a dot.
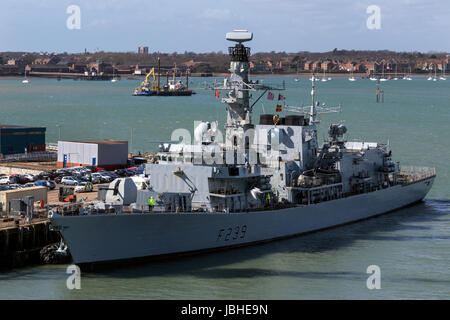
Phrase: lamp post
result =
(131, 141)
(59, 132)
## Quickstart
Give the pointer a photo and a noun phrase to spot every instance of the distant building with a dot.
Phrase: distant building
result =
(351, 66)
(257, 66)
(308, 65)
(327, 65)
(51, 60)
(77, 67)
(124, 69)
(315, 66)
(21, 139)
(299, 64)
(47, 68)
(142, 50)
(12, 62)
(108, 154)
(371, 67)
(9, 70)
(99, 68)
(191, 64)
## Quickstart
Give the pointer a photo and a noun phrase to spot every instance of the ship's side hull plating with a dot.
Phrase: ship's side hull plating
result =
(101, 238)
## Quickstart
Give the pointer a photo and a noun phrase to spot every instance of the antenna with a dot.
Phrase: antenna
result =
(239, 36)
(315, 108)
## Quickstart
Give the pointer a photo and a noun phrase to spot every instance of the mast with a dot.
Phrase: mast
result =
(187, 79)
(238, 110)
(174, 73)
(313, 111)
(159, 72)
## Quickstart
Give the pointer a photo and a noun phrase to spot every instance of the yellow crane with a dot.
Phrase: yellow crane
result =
(147, 84)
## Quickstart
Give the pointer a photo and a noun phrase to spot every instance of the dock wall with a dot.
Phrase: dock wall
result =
(20, 244)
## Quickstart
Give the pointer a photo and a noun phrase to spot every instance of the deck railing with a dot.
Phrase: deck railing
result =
(410, 174)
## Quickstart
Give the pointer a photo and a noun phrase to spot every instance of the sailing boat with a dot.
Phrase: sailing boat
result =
(114, 79)
(382, 74)
(435, 76)
(442, 77)
(395, 78)
(429, 76)
(324, 79)
(25, 80)
(352, 78)
(296, 79)
(408, 76)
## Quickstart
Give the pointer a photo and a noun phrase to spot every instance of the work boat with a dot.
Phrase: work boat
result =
(261, 182)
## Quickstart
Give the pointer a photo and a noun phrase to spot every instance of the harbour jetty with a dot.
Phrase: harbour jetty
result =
(21, 241)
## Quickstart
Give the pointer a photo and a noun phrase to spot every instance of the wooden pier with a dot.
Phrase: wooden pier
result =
(21, 241)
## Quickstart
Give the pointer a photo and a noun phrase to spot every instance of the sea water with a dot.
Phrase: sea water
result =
(410, 246)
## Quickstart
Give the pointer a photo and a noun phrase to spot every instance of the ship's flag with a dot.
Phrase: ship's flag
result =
(270, 96)
(279, 108)
(217, 94)
(280, 97)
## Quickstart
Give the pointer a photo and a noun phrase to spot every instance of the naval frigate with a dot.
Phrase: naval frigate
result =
(259, 182)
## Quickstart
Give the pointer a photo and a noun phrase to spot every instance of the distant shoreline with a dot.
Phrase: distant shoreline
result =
(216, 75)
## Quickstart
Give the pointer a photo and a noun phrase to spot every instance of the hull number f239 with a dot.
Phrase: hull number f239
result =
(232, 233)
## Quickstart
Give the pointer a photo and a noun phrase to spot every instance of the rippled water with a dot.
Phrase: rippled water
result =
(410, 245)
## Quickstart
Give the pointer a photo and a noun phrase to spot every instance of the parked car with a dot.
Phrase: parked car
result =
(5, 180)
(21, 178)
(50, 184)
(29, 185)
(94, 178)
(112, 174)
(46, 183)
(103, 177)
(45, 175)
(30, 177)
(84, 187)
(84, 177)
(15, 186)
(63, 172)
(60, 177)
(68, 180)
(4, 187)
(121, 172)
(12, 179)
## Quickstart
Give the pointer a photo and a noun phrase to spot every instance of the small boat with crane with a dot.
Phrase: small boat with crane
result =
(151, 86)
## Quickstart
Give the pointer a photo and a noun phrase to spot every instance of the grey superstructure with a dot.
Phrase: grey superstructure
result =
(257, 183)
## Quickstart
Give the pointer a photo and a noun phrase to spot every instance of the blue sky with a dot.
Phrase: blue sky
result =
(200, 25)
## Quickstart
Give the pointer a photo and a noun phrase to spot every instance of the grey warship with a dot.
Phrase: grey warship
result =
(260, 182)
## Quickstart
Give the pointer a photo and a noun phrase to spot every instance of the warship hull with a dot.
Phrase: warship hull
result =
(108, 238)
